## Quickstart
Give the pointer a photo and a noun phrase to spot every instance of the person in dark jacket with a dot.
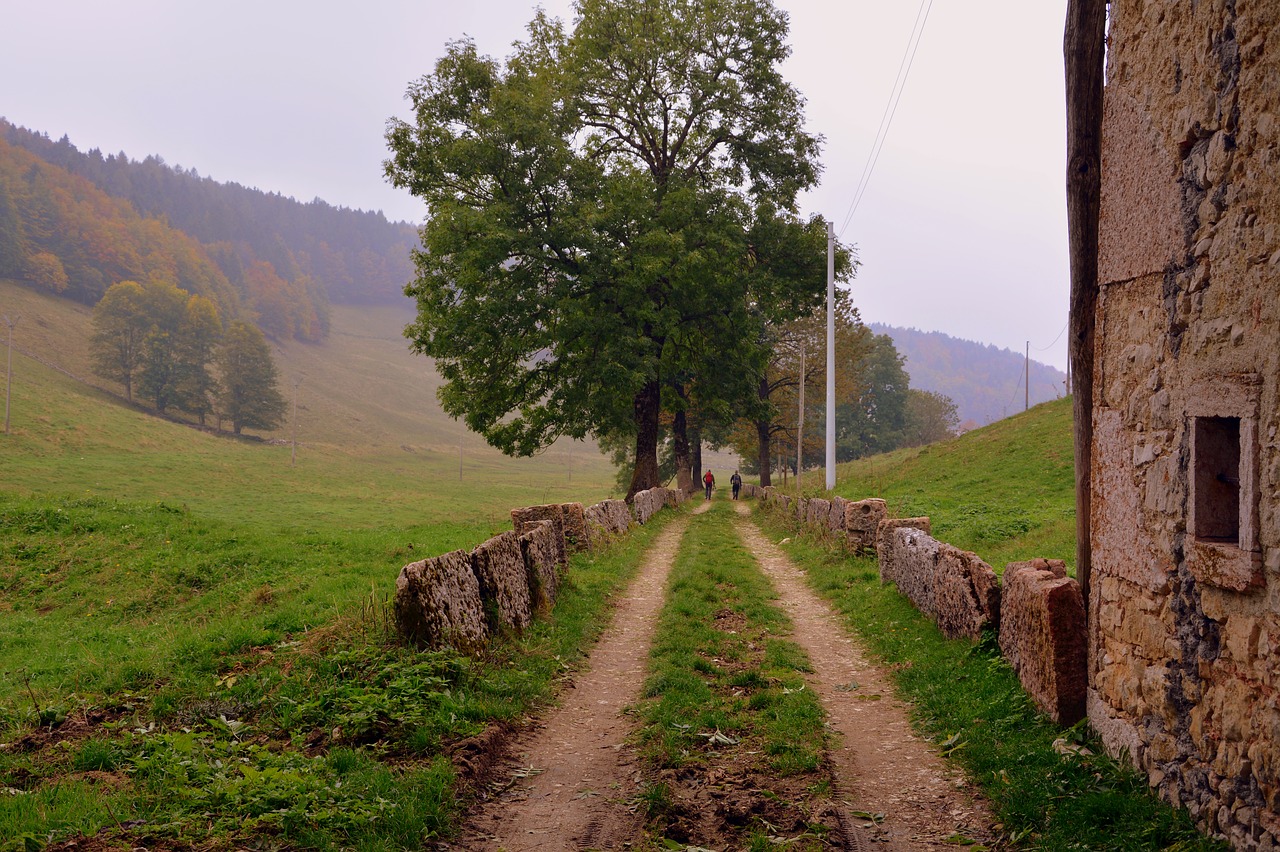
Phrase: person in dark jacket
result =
(736, 482)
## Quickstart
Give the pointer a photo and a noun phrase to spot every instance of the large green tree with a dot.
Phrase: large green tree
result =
(601, 206)
(250, 396)
(120, 325)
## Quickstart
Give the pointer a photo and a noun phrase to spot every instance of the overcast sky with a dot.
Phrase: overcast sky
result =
(962, 228)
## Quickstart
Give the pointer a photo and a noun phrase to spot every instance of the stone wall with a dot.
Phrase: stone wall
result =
(461, 599)
(1041, 626)
(1185, 531)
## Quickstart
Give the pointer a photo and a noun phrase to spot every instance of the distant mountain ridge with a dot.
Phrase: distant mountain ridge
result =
(324, 253)
(984, 381)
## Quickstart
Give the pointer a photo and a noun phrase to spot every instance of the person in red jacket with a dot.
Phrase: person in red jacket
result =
(709, 481)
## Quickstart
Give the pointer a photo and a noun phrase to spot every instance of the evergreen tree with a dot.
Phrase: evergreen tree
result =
(250, 397)
(13, 252)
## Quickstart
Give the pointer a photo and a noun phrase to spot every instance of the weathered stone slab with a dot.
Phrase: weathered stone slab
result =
(538, 550)
(816, 512)
(835, 518)
(599, 523)
(619, 515)
(1042, 635)
(524, 519)
(861, 521)
(885, 541)
(504, 581)
(644, 504)
(966, 594)
(915, 560)
(575, 527)
(438, 603)
(801, 507)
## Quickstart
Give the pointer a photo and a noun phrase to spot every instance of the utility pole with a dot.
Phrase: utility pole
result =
(8, 382)
(800, 423)
(293, 457)
(1026, 379)
(831, 355)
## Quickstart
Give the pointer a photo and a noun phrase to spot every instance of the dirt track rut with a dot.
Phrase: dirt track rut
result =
(572, 779)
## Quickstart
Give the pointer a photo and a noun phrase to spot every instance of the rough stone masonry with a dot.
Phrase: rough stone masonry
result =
(1184, 612)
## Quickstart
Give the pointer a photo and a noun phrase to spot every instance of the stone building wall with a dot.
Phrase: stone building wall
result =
(1184, 620)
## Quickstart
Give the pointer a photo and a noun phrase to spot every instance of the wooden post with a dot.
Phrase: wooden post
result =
(1084, 49)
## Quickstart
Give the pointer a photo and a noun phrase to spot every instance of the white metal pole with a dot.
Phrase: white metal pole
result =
(831, 356)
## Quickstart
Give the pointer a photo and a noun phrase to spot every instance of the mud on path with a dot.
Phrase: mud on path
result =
(880, 765)
(572, 779)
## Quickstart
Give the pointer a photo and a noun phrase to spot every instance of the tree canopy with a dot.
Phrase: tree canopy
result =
(611, 210)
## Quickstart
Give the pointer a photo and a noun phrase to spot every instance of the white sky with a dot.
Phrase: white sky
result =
(962, 229)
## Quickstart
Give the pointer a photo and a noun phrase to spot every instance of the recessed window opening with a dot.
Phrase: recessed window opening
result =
(1216, 514)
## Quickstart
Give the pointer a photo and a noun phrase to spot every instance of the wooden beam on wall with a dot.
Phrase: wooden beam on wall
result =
(1084, 48)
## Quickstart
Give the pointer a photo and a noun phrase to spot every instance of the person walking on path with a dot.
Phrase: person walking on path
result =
(736, 482)
(710, 482)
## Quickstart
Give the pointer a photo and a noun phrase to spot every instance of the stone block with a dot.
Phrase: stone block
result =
(1042, 635)
(504, 581)
(885, 541)
(801, 509)
(538, 550)
(966, 594)
(915, 561)
(619, 516)
(835, 518)
(861, 521)
(598, 522)
(524, 519)
(575, 527)
(645, 503)
(438, 603)
(816, 512)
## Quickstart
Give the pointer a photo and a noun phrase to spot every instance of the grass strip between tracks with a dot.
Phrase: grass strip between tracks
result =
(732, 738)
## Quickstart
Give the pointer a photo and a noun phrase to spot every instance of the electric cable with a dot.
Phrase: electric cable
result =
(890, 109)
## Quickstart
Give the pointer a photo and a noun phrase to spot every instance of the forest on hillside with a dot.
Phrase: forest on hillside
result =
(984, 381)
(103, 219)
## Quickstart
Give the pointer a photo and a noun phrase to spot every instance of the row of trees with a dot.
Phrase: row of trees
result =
(166, 344)
(613, 228)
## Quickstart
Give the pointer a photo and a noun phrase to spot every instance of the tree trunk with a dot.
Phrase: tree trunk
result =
(645, 407)
(1084, 47)
(680, 446)
(695, 449)
(765, 456)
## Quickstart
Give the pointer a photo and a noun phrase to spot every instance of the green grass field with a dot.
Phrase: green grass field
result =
(1005, 491)
(174, 603)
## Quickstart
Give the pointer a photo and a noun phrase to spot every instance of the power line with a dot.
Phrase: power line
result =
(890, 109)
(1051, 345)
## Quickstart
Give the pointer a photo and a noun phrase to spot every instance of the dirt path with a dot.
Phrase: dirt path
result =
(574, 775)
(881, 766)
(572, 780)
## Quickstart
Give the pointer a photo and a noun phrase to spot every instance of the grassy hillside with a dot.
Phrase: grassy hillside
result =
(363, 399)
(1005, 491)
